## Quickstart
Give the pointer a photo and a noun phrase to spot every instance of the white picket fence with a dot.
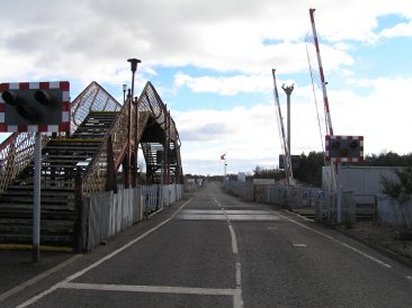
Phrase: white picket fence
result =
(106, 214)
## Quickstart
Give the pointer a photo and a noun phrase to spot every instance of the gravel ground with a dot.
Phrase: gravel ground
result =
(387, 239)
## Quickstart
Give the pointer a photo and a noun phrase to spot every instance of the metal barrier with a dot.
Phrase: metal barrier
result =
(309, 201)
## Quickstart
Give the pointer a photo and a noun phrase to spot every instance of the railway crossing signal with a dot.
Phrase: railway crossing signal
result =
(35, 107)
(345, 149)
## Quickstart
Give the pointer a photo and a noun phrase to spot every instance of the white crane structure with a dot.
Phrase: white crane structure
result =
(286, 151)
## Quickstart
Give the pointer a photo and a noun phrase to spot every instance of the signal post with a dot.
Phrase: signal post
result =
(35, 107)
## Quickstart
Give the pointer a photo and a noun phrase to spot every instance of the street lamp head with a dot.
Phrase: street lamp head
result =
(133, 63)
(288, 89)
(124, 87)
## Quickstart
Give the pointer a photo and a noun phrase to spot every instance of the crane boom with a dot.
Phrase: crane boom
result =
(322, 75)
(328, 119)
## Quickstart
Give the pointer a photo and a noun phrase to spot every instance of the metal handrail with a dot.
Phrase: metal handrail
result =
(17, 151)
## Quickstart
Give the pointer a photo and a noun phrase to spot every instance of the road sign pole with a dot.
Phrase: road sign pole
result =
(37, 198)
(339, 194)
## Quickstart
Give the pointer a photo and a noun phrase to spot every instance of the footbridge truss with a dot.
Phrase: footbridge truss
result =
(100, 153)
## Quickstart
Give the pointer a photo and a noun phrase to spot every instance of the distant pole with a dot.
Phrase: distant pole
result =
(288, 90)
(223, 157)
(124, 92)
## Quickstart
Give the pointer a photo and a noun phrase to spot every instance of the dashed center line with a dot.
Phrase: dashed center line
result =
(234, 241)
(300, 245)
(237, 298)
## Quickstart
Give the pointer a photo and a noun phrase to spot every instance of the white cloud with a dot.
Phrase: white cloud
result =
(399, 30)
(85, 40)
(88, 40)
(224, 85)
(250, 135)
(382, 116)
(290, 58)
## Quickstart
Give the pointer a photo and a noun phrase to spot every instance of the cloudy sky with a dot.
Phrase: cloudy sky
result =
(211, 62)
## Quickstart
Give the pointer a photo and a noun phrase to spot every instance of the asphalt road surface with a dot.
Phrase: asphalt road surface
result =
(216, 251)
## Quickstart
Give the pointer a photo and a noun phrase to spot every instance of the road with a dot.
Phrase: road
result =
(216, 251)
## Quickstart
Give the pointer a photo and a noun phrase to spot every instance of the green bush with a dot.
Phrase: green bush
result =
(400, 187)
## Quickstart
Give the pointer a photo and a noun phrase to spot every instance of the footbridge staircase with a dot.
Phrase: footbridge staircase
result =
(100, 153)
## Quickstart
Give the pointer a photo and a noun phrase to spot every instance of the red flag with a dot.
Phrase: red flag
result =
(223, 156)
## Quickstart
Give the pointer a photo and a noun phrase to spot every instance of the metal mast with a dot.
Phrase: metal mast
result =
(287, 158)
(288, 90)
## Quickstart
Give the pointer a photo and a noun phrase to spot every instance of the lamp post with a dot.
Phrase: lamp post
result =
(288, 90)
(124, 92)
(133, 66)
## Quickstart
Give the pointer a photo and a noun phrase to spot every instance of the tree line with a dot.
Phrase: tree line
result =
(309, 169)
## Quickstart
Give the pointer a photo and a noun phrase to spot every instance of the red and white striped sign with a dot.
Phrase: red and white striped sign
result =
(63, 126)
(349, 159)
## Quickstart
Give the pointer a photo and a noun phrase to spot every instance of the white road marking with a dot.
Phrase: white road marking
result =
(218, 217)
(156, 212)
(300, 245)
(234, 241)
(246, 217)
(238, 276)
(299, 215)
(108, 257)
(36, 279)
(225, 214)
(237, 298)
(338, 241)
(147, 289)
(217, 202)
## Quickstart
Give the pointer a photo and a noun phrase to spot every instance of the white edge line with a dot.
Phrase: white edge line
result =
(156, 212)
(148, 289)
(109, 256)
(337, 241)
(299, 215)
(39, 277)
